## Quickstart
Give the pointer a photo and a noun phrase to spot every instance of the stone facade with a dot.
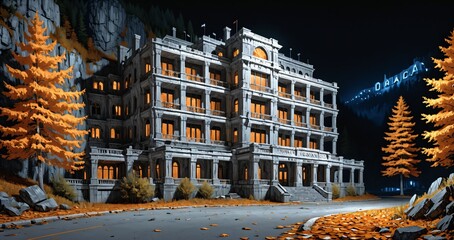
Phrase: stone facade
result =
(234, 112)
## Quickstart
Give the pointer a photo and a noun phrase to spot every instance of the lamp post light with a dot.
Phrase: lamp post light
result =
(290, 52)
(299, 56)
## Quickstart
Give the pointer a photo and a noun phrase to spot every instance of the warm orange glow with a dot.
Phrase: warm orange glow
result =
(215, 134)
(258, 136)
(95, 132)
(198, 171)
(116, 85)
(260, 53)
(175, 170)
(167, 129)
(236, 79)
(236, 52)
(313, 144)
(147, 67)
(194, 133)
(235, 135)
(298, 142)
(147, 129)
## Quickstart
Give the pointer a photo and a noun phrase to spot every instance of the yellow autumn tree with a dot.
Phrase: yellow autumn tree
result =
(442, 152)
(400, 152)
(40, 123)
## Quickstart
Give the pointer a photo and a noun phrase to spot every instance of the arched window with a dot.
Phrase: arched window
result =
(235, 106)
(235, 135)
(198, 171)
(105, 172)
(236, 52)
(147, 128)
(175, 169)
(99, 172)
(158, 171)
(260, 53)
(111, 172)
(236, 79)
(95, 132)
(112, 133)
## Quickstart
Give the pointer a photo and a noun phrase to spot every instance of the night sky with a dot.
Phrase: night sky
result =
(351, 44)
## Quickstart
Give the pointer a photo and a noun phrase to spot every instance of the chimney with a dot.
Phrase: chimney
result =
(137, 42)
(226, 33)
(174, 32)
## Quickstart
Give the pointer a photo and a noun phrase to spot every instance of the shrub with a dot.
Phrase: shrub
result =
(351, 190)
(60, 187)
(206, 190)
(335, 189)
(185, 189)
(135, 189)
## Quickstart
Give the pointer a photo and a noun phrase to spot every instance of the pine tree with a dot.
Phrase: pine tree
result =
(41, 126)
(442, 153)
(400, 153)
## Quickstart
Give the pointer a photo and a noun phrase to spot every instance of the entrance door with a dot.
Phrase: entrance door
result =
(283, 174)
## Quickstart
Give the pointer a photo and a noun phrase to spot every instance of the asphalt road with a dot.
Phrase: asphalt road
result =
(254, 222)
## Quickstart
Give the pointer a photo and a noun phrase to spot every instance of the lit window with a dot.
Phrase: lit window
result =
(158, 171)
(215, 76)
(258, 136)
(167, 129)
(147, 67)
(198, 172)
(175, 169)
(215, 134)
(235, 135)
(99, 172)
(298, 142)
(313, 119)
(167, 69)
(220, 54)
(147, 97)
(298, 118)
(167, 98)
(313, 144)
(259, 81)
(116, 110)
(236, 52)
(215, 104)
(116, 85)
(95, 132)
(235, 106)
(246, 175)
(282, 115)
(114, 133)
(194, 133)
(147, 128)
(284, 140)
(194, 103)
(260, 53)
(236, 79)
(98, 85)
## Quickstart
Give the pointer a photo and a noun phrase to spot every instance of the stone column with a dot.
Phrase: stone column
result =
(158, 68)
(192, 173)
(215, 170)
(341, 175)
(334, 151)
(334, 122)
(361, 173)
(158, 125)
(207, 102)
(328, 176)
(254, 170)
(207, 131)
(292, 138)
(334, 100)
(206, 72)
(275, 172)
(292, 90)
(158, 94)
(168, 168)
(292, 114)
(308, 93)
(308, 116)
(322, 121)
(322, 102)
(183, 128)
(183, 97)
(314, 174)
(273, 109)
(183, 66)
(308, 139)
(322, 143)
(298, 174)
(131, 156)
(352, 175)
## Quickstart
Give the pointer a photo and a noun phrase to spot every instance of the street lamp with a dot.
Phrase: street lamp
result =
(290, 52)
(299, 56)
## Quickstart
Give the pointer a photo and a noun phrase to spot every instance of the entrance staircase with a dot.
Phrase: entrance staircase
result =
(305, 194)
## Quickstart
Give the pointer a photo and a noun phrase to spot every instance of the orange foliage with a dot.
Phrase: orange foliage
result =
(41, 124)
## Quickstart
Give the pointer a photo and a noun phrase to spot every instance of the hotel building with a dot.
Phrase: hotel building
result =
(234, 112)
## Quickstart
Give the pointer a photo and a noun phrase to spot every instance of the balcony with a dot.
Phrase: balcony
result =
(261, 88)
(285, 95)
(195, 78)
(328, 105)
(328, 129)
(218, 142)
(300, 124)
(170, 137)
(170, 73)
(260, 116)
(198, 140)
(218, 113)
(170, 105)
(285, 121)
(313, 126)
(218, 83)
(315, 101)
(195, 109)
(300, 98)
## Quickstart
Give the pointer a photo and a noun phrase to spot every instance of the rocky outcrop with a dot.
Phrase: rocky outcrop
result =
(106, 22)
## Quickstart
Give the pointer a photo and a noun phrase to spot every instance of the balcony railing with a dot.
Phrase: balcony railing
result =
(300, 98)
(170, 105)
(195, 109)
(285, 121)
(261, 88)
(284, 94)
(313, 126)
(315, 101)
(328, 105)
(170, 137)
(195, 78)
(300, 124)
(329, 129)
(260, 116)
(170, 73)
(218, 142)
(218, 83)
(218, 113)
(199, 140)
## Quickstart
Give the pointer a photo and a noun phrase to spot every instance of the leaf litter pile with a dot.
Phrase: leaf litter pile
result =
(370, 224)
